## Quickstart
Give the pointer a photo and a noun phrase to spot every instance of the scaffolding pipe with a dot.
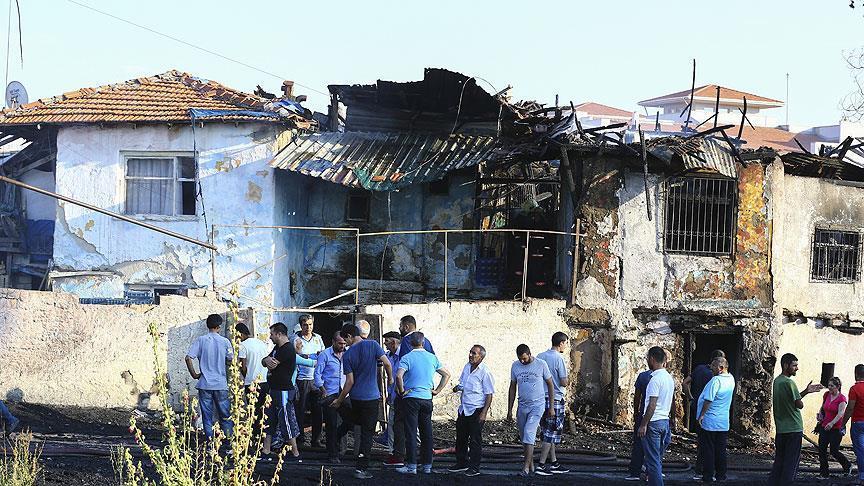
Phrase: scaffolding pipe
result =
(250, 272)
(331, 299)
(106, 212)
(445, 265)
(490, 230)
(525, 265)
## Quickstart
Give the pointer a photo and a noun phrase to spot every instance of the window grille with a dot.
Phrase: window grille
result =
(836, 256)
(700, 216)
(161, 185)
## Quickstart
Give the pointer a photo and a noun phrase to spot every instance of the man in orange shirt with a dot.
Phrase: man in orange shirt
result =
(855, 411)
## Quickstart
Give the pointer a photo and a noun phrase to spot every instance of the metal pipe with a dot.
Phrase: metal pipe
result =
(357, 271)
(285, 227)
(491, 230)
(445, 265)
(525, 265)
(119, 216)
(250, 272)
(331, 299)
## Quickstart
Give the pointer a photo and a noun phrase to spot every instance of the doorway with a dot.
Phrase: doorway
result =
(701, 343)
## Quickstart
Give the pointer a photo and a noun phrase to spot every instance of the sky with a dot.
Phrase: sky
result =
(615, 53)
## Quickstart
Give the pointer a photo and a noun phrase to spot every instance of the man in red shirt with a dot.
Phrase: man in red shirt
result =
(855, 411)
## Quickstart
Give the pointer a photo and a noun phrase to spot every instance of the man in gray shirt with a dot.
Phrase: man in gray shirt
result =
(213, 353)
(553, 425)
(532, 378)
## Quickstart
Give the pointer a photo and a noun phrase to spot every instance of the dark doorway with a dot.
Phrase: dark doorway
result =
(326, 324)
(701, 344)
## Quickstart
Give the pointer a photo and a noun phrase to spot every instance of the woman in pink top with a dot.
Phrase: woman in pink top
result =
(830, 420)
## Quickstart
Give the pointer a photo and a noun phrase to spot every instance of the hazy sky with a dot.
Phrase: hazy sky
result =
(615, 53)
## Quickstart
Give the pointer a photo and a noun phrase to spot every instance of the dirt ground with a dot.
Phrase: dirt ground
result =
(597, 453)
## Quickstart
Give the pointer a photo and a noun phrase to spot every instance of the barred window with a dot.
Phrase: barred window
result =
(160, 185)
(700, 216)
(836, 256)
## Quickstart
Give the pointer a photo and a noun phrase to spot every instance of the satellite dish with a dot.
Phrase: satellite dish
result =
(16, 95)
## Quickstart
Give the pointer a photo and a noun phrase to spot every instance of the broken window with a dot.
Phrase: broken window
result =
(161, 185)
(836, 256)
(359, 203)
(700, 215)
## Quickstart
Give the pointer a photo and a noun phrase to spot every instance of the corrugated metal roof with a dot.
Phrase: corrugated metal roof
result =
(381, 161)
(697, 153)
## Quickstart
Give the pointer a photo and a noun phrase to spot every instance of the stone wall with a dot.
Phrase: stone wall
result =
(59, 352)
(500, 326)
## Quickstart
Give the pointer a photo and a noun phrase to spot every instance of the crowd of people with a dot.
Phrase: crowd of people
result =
(711, 389)
(341, 388)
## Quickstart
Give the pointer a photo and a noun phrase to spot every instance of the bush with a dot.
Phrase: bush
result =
(181, 458)
(21, 467)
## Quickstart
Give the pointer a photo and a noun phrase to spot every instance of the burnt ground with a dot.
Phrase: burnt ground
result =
(78, 442)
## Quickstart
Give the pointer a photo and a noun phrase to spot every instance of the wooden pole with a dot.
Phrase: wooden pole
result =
(645, 172)
(576, 263)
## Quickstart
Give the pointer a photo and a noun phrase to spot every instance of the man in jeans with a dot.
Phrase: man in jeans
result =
(10, 422)
(637, 455)
(308, 344)
(693, 386)
(328, 380)
(654, 429)
(787, 406)
(712, 411)
(213, 353)
(414, 382)
(855, 411)
(477, 387)
(360, 366)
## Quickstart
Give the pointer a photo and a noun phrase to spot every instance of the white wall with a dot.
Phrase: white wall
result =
(499, 326)
(238, 188)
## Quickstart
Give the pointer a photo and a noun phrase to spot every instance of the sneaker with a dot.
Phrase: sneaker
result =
(524, 474)
(632, 477)
(358, 474)
(544, 470)
(472, 472)
(457, 469)
(427, 468)
(381, 439)
(394, 460)
(556, 468)
(697, 477)
(407, 470)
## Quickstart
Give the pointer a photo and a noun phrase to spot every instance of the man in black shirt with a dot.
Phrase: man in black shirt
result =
(280, 365)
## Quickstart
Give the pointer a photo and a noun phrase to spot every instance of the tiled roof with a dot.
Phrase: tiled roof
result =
(600, 110)
(782, 141)
(166, 97)
(709, 91)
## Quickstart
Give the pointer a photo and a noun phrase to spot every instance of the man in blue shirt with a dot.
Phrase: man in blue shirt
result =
(693, 386)
(637, 454)
(713, 417)
(328, 380)
(407, 326)
(213, 353)
(414, 382)
(360, 366)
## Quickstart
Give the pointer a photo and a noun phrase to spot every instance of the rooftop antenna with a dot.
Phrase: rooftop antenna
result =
(787, 101)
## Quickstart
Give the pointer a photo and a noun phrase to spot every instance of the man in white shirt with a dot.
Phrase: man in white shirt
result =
(252, 351)
(308, 344)
(654, 430)
(477, 387)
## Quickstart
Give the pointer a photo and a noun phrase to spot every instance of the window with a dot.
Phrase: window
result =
(162, 185)
(440, 186)
(358, 206)
(700, 216)
(836, 256)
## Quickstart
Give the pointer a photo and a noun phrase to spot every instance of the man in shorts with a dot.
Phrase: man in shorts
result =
(553, 426)
(533, 380)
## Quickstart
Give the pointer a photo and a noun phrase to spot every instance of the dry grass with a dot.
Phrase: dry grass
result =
(21, 466)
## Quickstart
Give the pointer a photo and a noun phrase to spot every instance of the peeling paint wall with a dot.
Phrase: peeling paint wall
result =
(237, 185)
(101, 355)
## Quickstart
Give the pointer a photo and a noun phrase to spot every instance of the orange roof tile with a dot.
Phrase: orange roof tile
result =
(601, 110)
(778, 139)
(710, 91)
(166, 97)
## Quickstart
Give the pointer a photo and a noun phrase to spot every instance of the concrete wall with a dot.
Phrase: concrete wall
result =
(808, 202)
(499, 326)
(814, 346)
(59, 352)
(238, 188)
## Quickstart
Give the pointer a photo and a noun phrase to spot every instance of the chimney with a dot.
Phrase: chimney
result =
(288, 89)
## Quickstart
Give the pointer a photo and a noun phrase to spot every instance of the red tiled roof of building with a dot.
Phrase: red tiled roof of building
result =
(600, 110)
(778, 139)
(710, 91)
(166, 97)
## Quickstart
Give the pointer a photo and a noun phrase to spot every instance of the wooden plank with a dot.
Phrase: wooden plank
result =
(645, 172)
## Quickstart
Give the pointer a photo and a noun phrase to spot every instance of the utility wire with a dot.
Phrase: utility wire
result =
(194, 46)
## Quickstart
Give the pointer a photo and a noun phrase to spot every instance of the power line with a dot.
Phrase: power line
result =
(194, 46)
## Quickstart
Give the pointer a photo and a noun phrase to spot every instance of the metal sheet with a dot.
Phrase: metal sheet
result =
(380, 161)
